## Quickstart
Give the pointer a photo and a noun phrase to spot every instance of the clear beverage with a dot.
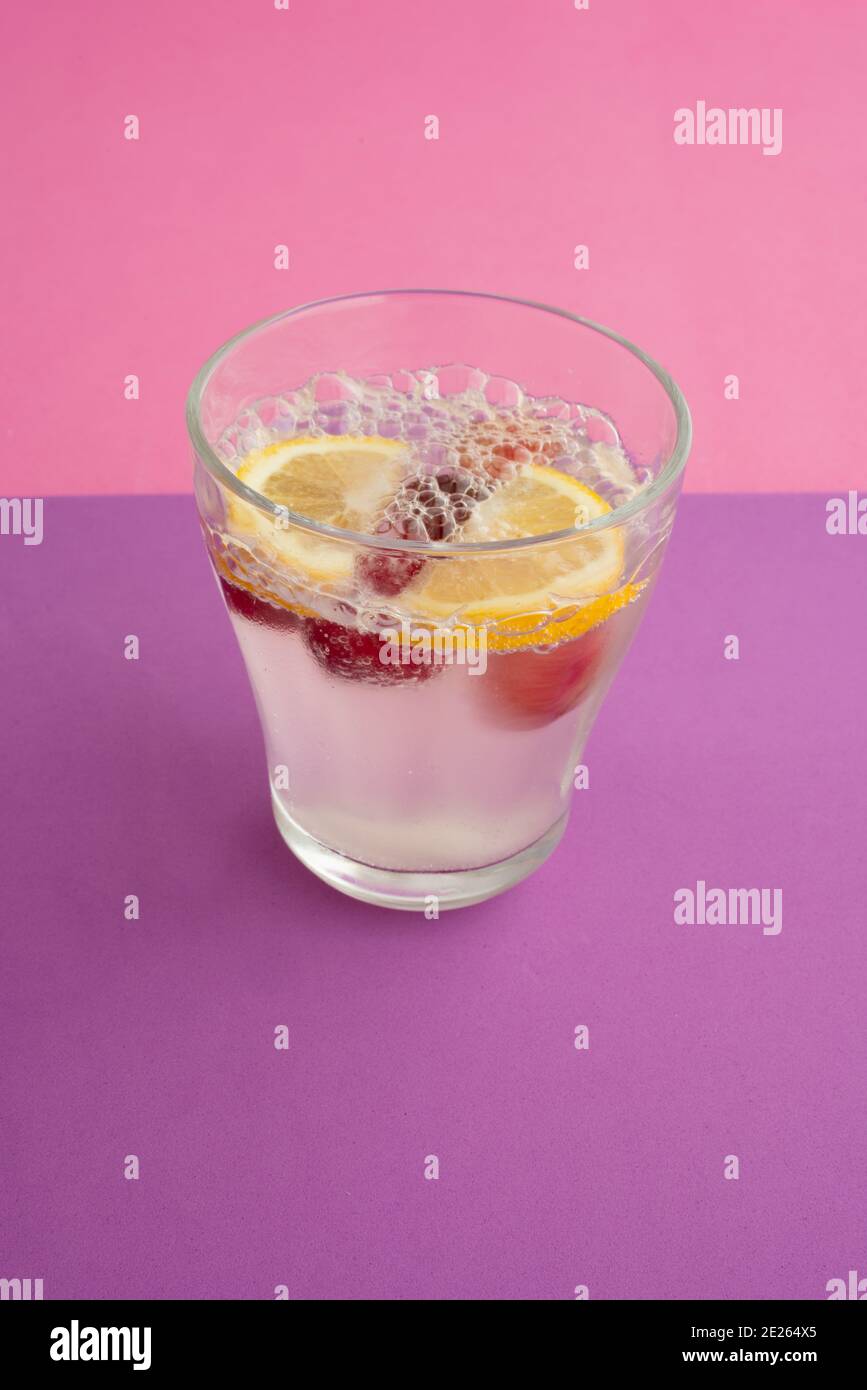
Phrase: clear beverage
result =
(427, 665)
(452, 772)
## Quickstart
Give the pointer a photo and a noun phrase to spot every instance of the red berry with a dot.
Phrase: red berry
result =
(387, 572)
(354, 655)
(431, 506)
(500, 445)
(532, 688)
(256, 609)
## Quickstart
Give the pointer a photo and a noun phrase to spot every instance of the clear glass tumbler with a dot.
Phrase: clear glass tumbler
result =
(426, 680)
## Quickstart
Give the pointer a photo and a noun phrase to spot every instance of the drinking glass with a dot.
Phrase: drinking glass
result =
(444, 780)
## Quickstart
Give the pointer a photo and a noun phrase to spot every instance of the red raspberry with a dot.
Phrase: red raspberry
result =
(533, 688)
(502, 445)
(354, 655)
(387, 572)
(256, 609)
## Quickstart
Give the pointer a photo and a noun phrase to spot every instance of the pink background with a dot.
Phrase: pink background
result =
(261, 127)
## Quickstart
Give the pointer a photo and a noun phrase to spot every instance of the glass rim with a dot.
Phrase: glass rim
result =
(220, 471)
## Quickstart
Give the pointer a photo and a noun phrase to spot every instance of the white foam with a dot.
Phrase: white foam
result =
(464, 432)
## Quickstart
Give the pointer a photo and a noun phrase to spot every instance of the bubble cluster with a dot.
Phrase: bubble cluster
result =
(466, 432)
(432, 506)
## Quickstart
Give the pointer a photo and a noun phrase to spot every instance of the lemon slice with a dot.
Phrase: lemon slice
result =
(525, 597)
(343, 481)
(587, 570)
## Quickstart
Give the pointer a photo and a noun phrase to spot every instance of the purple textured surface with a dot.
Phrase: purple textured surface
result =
(558, 1167)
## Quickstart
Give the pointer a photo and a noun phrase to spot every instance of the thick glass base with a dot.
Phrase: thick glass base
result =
(414, 892)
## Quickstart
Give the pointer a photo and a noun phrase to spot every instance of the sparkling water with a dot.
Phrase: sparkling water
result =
(431, 767)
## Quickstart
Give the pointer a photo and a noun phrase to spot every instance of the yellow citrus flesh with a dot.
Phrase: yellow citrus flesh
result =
(342, 481)
(540, 595)
(515, 634)
(579, 578)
